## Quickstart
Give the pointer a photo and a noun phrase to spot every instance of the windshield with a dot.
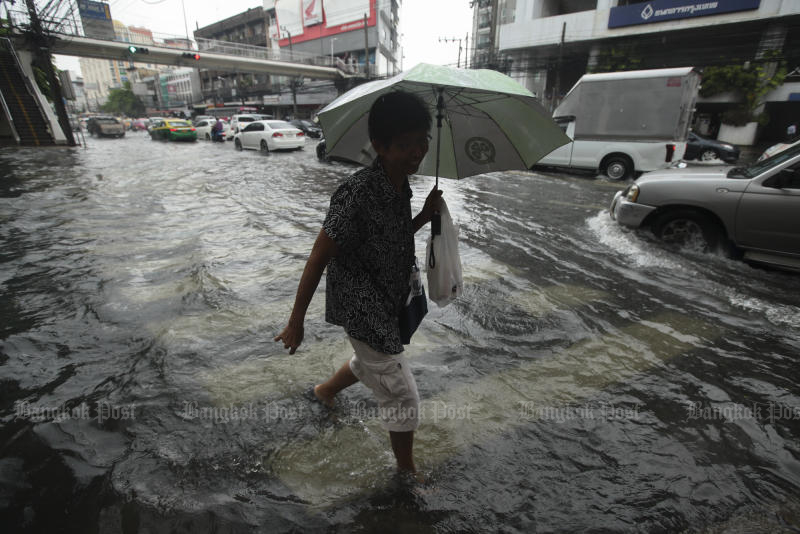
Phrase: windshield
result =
(179, 123)
(245, 119)
(107, 121)
(277, 125)
(765, 165)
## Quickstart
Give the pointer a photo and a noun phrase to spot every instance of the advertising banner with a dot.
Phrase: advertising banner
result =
(343, 11)
(289, 17)
(96, 20)
(664, 10)
(312, 12)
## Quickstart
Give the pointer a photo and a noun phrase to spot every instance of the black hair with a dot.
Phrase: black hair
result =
(396, 113)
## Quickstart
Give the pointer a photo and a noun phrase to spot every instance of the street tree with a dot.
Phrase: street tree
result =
(123, 101)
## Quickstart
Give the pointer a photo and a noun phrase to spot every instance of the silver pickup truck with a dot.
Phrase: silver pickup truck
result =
(753, 212)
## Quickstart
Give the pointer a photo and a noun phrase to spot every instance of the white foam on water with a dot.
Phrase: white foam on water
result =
(777, 314)
(626, 243)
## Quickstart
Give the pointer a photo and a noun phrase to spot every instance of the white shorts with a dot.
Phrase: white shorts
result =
(390, 379)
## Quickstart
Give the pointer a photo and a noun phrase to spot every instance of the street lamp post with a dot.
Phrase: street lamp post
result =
(332, 40)
(292, 81)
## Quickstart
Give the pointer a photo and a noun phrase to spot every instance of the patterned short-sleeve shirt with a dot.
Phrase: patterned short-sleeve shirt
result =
(367, 281)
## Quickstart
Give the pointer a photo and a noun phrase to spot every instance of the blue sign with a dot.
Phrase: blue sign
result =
(663, 10)
(94, 10)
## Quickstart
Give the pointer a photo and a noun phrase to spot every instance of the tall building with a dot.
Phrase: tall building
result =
(547, 45)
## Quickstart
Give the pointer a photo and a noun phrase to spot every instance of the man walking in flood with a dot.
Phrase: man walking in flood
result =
(367, 244)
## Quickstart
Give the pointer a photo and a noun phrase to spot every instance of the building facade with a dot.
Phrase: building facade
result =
(249, 28)
(547, 45)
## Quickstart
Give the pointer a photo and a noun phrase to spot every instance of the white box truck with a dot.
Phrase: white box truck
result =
(623, 123)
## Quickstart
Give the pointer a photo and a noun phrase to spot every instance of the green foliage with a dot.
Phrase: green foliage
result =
(123, 101)
(750, 83)
(617, 58)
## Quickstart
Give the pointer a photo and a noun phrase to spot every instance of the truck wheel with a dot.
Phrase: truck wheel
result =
(618, 167)
(689, 229)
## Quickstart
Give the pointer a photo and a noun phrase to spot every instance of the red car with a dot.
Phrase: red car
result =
(139, 124)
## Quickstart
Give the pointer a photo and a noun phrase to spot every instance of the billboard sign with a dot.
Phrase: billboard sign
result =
(312, 12)
(335, 17)
(664, 10)
(96, 20)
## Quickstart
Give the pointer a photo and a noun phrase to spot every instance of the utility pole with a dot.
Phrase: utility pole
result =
(466, 51)
(453, 40)
(557, 88)
(292, 81)
(42, 51)
(366, 46)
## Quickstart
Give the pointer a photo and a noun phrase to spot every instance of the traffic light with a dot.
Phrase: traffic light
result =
(191, 55)
(138, 50)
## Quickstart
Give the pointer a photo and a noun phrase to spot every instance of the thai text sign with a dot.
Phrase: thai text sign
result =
(664, 10)
(96, 19)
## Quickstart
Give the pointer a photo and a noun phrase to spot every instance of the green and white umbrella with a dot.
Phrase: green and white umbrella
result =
(489, 121)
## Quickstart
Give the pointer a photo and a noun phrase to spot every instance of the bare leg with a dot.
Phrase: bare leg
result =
(343, 378)
(403, 447)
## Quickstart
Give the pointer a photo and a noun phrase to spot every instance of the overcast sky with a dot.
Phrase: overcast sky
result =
(422, 22)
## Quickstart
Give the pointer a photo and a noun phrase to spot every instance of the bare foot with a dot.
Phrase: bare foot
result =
(327, 401)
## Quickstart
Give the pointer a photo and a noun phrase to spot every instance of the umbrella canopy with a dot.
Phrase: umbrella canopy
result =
(491, 123)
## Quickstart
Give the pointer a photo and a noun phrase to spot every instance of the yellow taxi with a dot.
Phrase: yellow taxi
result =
(173, 130)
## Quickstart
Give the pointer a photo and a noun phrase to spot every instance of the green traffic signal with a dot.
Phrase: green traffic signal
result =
(138, 50)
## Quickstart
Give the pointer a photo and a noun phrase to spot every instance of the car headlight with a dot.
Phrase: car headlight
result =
(632, 193)
(728, 147)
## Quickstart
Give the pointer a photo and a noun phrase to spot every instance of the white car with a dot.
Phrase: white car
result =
(237, 121)
(774, 149)
(204, 129)
(269, 135)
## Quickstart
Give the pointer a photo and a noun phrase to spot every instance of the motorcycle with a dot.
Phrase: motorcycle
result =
(217, 136)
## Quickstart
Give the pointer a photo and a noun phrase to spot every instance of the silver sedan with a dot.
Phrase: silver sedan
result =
(753, 212)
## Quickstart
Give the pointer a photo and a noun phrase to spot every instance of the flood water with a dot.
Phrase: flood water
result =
(587, 380)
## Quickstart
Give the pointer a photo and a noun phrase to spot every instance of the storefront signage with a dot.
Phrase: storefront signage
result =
(664, 10)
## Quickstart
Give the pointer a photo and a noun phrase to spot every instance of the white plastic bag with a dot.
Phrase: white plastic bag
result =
(443, 263)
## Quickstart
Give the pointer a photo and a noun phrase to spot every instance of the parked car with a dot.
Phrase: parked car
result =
(246, 117)
(199, 118)
(774, 149)
(204, 128)
(105, 126)
(309, 128)
(703, 149)
(749, 211)
(173, 130)
(269, 135)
